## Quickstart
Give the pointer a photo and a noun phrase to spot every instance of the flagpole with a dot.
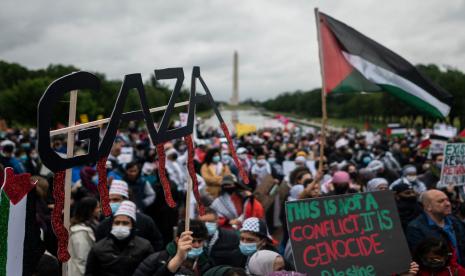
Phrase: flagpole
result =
(324, 119)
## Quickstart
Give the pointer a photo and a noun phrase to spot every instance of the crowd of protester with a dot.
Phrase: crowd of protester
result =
(243, 231)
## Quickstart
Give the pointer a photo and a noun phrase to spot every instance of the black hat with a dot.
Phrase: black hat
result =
(399, 188)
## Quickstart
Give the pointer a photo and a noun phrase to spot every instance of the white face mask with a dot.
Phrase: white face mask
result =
(120, 232)
(411, 178)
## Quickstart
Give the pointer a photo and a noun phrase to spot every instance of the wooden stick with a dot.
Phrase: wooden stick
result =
(105, 121)
(68, 174)
(324, 119)
(188, 203)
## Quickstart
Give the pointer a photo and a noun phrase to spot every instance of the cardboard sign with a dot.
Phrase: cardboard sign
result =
(453, 166)
(438, 143)
(183, 118)
(353, 234)
(445, 130)
(126, 155)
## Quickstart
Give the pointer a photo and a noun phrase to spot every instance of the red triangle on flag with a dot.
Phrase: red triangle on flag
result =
(462, 133)
(336, 67)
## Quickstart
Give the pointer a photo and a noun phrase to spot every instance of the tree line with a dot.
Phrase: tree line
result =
(21, 89)
(381, 107)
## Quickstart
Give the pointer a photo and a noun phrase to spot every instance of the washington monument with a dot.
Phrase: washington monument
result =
(235, 94)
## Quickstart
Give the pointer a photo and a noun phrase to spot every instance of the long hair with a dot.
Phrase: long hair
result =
(84, 210)
(431, 244)
(209, 156)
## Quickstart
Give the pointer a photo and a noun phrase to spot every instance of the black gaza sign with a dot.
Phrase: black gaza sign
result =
(98, 149)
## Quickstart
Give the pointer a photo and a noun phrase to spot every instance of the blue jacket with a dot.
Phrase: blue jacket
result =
(420, 229)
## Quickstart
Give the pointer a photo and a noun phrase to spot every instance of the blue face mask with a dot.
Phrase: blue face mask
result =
(95, 179)
(248, 248)
(211, 227)
(194, 253)
(114, 207)
(216, 159)
(226, 158)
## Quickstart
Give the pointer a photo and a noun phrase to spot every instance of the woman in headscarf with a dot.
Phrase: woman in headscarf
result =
(377, 184)
(264, 262)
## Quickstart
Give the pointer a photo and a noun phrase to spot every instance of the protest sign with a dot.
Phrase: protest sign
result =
(453, 166)
(183, 117)
(353, 234)
(100, 144)
(438, 143)
(126, 155)
(445, 130)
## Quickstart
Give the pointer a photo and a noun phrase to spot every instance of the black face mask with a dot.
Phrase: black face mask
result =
(409, 199)
(353, 175)
(434, 265)
(229, 190)
(341, 188)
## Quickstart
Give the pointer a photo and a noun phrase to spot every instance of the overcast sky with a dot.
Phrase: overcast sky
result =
(276, 39)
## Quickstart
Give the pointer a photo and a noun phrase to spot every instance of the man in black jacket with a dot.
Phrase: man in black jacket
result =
(145, 227)
(436, 221)
(222, 244)
(183, 256)
(121, 251)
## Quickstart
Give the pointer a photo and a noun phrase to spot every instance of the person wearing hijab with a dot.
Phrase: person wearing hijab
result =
(407, 204)
(380, 170)
(377, 184)
(341, 184)
(264, 262)
(409, 177)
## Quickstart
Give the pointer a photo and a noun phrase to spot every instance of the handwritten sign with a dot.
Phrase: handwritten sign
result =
(453, 167)
(353, 234)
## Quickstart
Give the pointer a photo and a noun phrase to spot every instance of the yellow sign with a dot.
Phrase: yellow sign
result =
(243, 129)
(84, 118)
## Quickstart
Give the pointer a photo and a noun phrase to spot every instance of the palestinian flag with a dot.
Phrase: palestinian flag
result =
(19, 249)
(395, 130)
(353, 62)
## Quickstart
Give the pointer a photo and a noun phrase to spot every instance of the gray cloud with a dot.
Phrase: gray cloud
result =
(276, 39)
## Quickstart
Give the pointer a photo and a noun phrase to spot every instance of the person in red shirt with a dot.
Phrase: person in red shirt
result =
(436, 257)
